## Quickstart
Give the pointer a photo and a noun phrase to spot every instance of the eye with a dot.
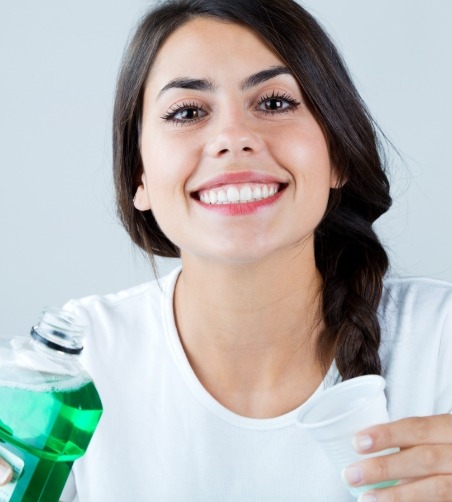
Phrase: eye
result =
(184, 113)
(277, 103)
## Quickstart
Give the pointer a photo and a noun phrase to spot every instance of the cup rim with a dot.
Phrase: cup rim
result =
(379, 385)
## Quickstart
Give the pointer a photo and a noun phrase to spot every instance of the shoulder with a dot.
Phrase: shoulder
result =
(122, 327)
(416, 345)
(416, 320)
(417, 297)
(125, 306)
(416, 314)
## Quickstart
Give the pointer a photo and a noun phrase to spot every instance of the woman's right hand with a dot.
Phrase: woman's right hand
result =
(6, 473)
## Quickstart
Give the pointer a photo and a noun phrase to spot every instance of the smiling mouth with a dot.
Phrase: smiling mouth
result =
(239, 193)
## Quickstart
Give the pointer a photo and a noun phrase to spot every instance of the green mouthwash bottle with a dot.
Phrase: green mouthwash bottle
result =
(49, 407)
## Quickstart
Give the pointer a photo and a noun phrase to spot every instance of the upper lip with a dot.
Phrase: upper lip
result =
(230, 178)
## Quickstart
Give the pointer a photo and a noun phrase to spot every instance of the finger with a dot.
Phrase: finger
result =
(416, 462)
(432, 489)
(405, 433)
(6, 473)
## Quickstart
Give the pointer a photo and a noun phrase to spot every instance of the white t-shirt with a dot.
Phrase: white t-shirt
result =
(164, 438)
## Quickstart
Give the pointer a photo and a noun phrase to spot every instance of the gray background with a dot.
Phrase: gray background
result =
(59, 235)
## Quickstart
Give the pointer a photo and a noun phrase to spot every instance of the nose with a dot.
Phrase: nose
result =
(235, 139)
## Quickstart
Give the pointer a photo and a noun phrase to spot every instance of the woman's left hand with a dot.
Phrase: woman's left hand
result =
(423, 465)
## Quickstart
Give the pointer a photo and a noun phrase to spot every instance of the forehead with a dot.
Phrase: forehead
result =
(205, 47)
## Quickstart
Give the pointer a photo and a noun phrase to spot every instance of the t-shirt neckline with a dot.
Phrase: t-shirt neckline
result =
(200, 392)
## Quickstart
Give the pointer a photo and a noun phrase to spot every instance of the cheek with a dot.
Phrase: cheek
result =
(164, 165)
(304, 152)
(168, 166)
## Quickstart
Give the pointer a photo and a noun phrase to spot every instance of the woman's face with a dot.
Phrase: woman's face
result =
(236, 168)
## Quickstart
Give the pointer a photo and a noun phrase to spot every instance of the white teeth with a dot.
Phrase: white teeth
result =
(233, 194)
(246, 193)
(212, 197)
(221, 196)
(257, 193)
(238, 193)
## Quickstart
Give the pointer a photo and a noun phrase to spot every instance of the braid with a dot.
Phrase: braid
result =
(352, 262)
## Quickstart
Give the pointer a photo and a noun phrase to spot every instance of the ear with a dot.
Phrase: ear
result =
(141, 200)
(337, 180)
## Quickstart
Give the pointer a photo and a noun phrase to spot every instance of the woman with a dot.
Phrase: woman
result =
(242, 146)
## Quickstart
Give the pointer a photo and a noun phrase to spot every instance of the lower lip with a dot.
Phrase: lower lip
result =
(241, 208)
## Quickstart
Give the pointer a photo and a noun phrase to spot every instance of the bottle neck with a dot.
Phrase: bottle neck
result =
(47, 341)
(60, 331)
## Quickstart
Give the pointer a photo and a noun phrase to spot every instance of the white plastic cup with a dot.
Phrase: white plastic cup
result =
(335, 415)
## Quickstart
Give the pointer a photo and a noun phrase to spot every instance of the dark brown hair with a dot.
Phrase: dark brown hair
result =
(348, 253)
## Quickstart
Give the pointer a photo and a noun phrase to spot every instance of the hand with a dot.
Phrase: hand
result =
(423, 465)
(6, 472)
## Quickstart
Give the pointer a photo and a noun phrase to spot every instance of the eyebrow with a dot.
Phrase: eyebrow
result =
(263, 76)
(188, 83)
(208, 85)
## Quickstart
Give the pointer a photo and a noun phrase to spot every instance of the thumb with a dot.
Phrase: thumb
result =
(6, 473)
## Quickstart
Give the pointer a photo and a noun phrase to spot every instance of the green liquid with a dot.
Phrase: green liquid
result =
(48, 430)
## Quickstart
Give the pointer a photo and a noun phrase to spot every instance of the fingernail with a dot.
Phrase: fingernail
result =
(367, 497)
(352, 475)
(5, 473)
(362, 443)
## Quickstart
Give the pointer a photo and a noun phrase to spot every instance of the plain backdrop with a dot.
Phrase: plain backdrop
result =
(60, 238)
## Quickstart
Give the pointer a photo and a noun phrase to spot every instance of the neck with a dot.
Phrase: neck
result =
(250, 331)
